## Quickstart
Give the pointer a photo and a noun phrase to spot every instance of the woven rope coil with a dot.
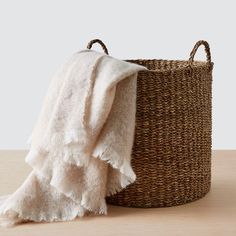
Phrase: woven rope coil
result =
(172, 147)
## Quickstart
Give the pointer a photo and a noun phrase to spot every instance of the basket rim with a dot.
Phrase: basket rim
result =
(196, 65)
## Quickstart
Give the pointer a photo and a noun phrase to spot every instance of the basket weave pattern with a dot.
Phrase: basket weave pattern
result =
(172, 147)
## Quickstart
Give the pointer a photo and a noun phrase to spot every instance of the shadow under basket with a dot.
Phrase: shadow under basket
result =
(171, 155)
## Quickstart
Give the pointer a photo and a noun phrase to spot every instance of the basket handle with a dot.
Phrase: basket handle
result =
(90, 44)
(195, 48)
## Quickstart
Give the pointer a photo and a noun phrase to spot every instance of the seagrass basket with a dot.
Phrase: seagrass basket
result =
(171, 154)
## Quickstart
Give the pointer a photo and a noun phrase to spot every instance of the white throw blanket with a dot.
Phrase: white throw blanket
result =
(81, 144)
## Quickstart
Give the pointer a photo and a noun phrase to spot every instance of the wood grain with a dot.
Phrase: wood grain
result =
(215, 214)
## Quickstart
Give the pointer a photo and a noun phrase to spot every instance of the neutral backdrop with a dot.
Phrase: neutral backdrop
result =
(38, 36)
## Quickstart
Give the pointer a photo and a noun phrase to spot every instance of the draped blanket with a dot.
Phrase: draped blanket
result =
(80, 147)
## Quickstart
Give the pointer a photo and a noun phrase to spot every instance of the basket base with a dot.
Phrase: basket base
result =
(132, 204)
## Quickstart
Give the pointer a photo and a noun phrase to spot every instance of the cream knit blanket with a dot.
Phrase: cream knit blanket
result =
(81, 145)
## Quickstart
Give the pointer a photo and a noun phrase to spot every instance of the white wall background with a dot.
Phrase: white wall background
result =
(37, 36)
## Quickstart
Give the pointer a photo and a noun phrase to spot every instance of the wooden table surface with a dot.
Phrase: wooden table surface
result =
(215, 214)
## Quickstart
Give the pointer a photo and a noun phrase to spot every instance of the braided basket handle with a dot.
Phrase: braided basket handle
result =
(195, 48)
(90, 44)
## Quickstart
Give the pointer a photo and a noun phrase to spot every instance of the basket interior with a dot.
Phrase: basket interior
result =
(166, 65)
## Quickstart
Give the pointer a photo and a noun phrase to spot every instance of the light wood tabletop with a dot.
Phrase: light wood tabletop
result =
(215, 214)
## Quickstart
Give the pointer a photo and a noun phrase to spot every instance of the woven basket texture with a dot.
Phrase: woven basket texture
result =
(171, 155)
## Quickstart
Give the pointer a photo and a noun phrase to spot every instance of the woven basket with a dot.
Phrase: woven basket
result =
(171, 155)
